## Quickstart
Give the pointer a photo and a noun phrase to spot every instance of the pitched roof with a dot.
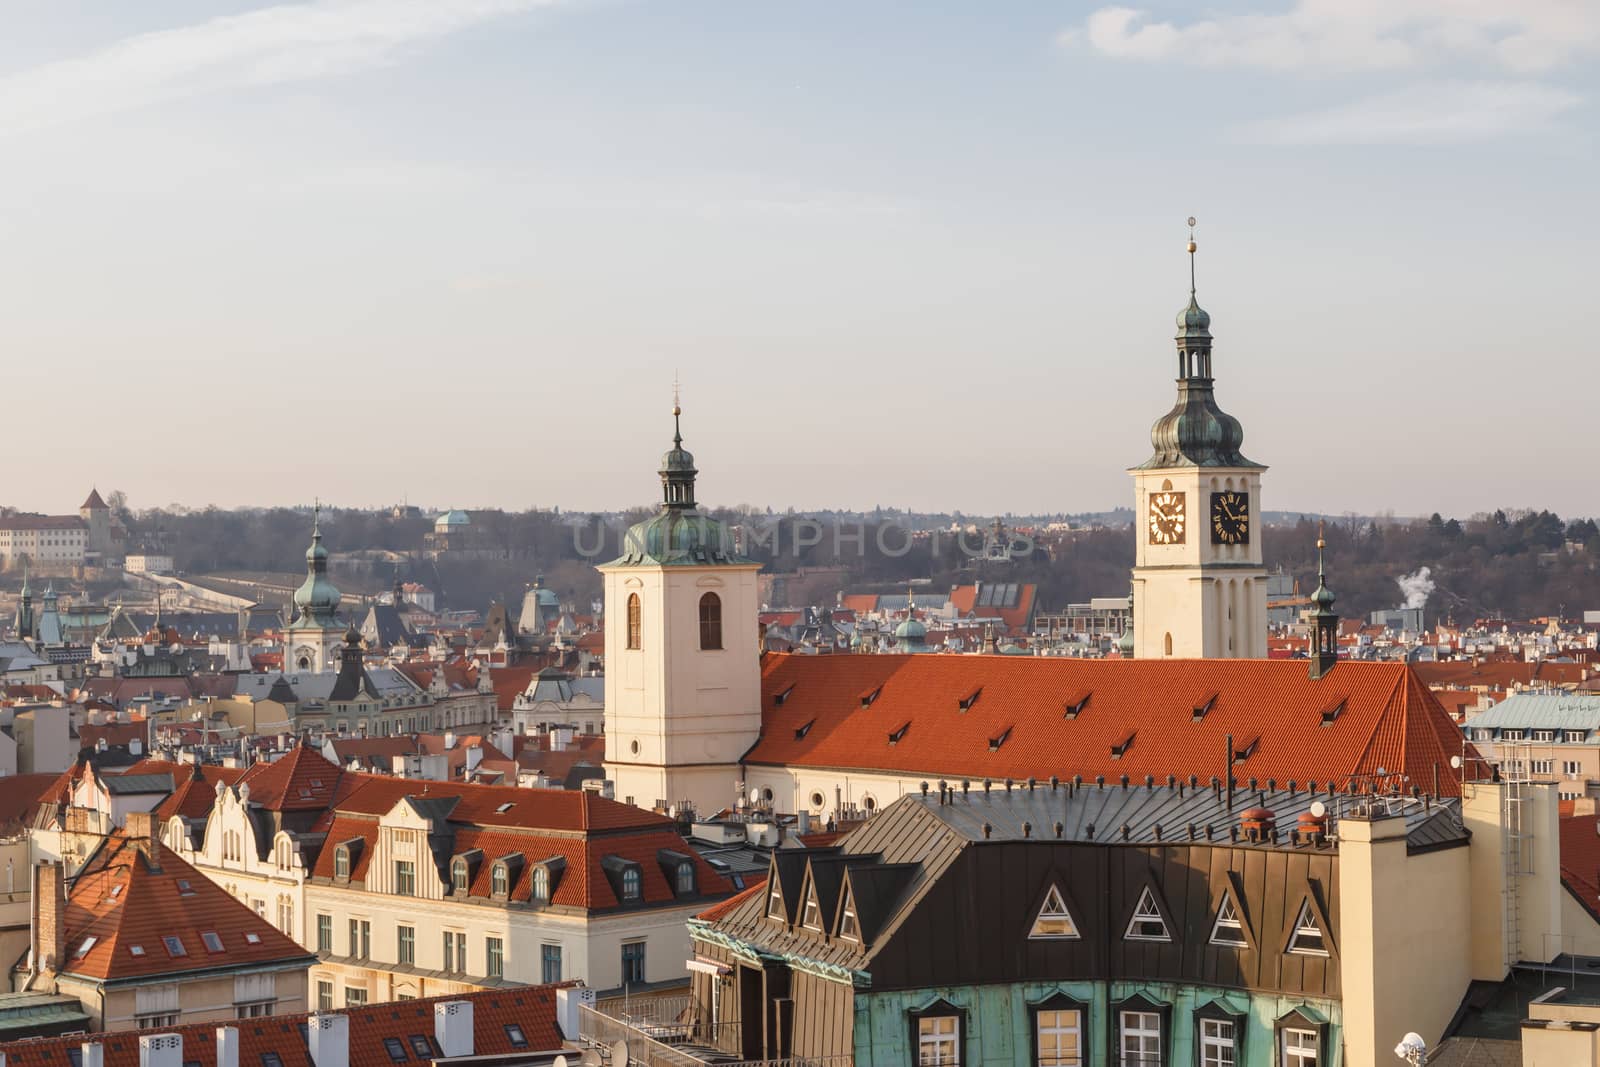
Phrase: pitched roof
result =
(723, 907)
(1580, 860)
(532, 1009)
(301, 780)
(19, 795)
(124, 901)
(498, 805)
(1019, 717)
(196, 793)
(93, 500)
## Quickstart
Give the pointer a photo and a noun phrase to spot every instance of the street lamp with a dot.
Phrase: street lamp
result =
(1412, 1049)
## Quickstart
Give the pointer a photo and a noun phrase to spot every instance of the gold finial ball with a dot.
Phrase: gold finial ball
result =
(1193, 246)
(1321, 543)
(676, 410)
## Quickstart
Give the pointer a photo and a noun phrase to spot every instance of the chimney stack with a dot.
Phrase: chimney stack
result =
(227, 1046)
(93, 1054)
(160, 1050)
(452, 1027)
(329, 1040)
(50, 934)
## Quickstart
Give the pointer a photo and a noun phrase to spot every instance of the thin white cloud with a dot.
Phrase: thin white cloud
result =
(1429, 113)
(1522, 36)
(284, 43)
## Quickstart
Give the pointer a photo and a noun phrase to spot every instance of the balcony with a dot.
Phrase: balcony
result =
(666, 1032)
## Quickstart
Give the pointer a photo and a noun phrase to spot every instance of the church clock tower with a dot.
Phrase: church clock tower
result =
(683, 663)
(1199, 588)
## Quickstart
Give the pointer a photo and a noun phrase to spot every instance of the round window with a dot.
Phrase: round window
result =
(634, 747)
(869, 803)
(816, 800)
(766, 795)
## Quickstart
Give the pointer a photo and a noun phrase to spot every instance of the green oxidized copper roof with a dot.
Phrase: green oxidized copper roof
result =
(1323, 598)
(317, 598)
(678, 535)
(1196, 432)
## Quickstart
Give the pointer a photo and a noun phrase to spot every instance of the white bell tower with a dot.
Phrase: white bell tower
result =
(683, 666)
(1199, 586)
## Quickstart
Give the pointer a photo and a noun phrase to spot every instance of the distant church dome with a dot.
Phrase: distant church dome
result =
(678, 533)
(454, 519)
(317, 598)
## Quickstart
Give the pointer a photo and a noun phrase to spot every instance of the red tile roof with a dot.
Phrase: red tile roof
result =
(723, 907)
(301, 780)
(20, 795)
(1355, 719)
(1580, 860)
(479, 805)
(532, 1009)
(196, 792)
(122, 901)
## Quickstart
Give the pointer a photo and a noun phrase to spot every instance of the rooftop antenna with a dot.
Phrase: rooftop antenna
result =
(677, 410)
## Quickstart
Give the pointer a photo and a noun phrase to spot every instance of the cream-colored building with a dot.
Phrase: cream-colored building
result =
(682, 683)
(1199, 586)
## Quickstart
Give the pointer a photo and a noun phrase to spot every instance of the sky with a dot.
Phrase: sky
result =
(916, 254)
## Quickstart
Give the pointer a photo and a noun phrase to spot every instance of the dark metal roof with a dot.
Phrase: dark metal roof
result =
(126, 784)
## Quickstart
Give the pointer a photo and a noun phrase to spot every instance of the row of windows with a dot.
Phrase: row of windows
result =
(1547, 737)
(455, 946)
(1060, 1039)
(710, 622)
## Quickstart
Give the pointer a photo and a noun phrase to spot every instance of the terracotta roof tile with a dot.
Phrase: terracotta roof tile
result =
(1385, 718)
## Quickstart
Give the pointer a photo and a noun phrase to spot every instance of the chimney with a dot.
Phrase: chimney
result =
(449, 739)
(50, 895)
(452, 1027)
(140, 827)
(93, 1054)
(227, 1046)
(160, 1050)
(135, 747)
(329, 1037)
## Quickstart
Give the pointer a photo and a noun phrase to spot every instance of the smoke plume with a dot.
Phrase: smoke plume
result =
(1416, 587)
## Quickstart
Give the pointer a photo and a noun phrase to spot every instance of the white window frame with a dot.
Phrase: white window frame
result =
(1228, 919)
(1058, 1029)
(1572, 768)
(1147, 911)
(936, 1033)
(1147, 1025)
(1306, 923)
(1218, 1047)
(1054, 910)
(811, 918)
(1577, 737)
(1300, 1055)
(1544, 736)
(775, 908)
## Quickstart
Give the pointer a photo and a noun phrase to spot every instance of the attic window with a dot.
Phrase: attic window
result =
(503, 808)
(1147, 923)
(341, 862)
(1307, 939)
(184, 888)
(806, 729)
(1248, 749)
(1120, 749)
(1075, 707)
(1331, 713)
(868, 698)
(849, 928)
(896, 735)
(213, 943)
(252, 939)
(1202, 709)
(515, 1035)
(174, 946)
(632, 884)
(1229, 928)
(499, 880)
(775, 903)
(996, 742)
(779, 698)
(1054, 921)
(83, 949)
(395, 1048)
(116, 891)
(304, 792)
(966, 702)
(458, 875)
(136, 950)
(812, 919)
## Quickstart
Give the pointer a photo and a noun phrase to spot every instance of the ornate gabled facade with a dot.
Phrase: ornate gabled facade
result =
(1199, 585)
(682, 688)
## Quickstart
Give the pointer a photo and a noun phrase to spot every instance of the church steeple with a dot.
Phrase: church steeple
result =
(677, 466)
(1196, 432)
(317, 599)
(1324, 624)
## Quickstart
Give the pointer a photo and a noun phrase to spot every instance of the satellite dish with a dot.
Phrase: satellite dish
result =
(1318, 808)
(559, 1061)
(755, 795)
(1455, 762)
(590, 1058)
(619, 1051)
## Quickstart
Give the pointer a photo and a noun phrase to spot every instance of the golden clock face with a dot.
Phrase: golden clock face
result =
(1167, 518)
(1230, 518)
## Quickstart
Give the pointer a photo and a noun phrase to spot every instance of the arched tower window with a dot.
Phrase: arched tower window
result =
(1168, 644)
(710, 621)
(635, 621)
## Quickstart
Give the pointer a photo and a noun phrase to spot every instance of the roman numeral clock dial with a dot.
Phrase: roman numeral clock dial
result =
(1167, 519)
(1230, 518)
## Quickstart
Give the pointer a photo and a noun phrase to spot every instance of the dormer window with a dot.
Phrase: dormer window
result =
(1307, 939)
(458, 875)
(632, 885)
(685, 879)
(500, 880)
(341, 862)
(775, 908)
(812, 919)
(541, 884)
(849, 927)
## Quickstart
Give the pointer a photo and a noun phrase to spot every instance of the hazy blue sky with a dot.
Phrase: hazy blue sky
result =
(918, 254)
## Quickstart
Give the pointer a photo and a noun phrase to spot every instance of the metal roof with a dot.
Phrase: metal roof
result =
(1540, 711)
